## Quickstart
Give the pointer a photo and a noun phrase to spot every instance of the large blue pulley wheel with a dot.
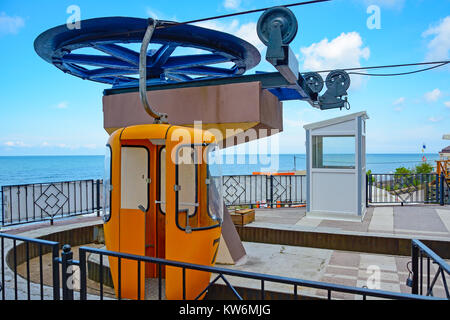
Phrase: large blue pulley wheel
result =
(111, 58)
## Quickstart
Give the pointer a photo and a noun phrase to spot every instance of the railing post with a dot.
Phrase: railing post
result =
(367, 190)
(82, 257)
(437, 189)
(55, 267)
(3, 207)
(441, 189)
(415, 268)
(66, 265)
(271, 191)
(98, 198)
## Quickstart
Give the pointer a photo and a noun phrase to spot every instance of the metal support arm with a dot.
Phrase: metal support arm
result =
(159, 117)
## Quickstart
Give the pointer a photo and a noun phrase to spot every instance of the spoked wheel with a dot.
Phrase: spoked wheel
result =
(111, 60)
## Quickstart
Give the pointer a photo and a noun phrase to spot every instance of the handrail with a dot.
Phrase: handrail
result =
(253, 275)
(418, 250)
(25, 239)
(441, 262)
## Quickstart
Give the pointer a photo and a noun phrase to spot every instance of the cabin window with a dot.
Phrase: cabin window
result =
(214, 184)
(333, 152)
(107, 185)
(199, 203)
(134, 177)
(162, 180)
(186, 177)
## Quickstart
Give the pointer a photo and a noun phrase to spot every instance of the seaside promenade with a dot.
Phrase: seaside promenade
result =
(346, 267)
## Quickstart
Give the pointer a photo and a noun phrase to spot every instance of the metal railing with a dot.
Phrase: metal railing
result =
(18, 254)
(406, 188)
(221, 274)
(270, 190)
(28, 248)
(49, 201)
(418, 252)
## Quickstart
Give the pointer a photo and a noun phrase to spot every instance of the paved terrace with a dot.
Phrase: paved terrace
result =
(430, 221)
(333, 266)
(344, 267)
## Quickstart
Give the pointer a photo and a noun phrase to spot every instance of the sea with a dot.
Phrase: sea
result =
(16, 170)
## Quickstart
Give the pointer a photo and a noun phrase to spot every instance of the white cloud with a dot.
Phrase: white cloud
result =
(399, 104)
(155, 14)
(345, 51)
(232, 4)
(62, 105)
(10, 25)
(245, 31)
(435, 119)
(447, 104)
(152, 14)
(16, 144)
(439, 45)
(433, 96)
(399, 101)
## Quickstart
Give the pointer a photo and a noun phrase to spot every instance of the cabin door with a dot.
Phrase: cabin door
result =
(135, 184)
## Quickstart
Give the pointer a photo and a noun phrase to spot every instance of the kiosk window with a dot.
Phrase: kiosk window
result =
(333, 152)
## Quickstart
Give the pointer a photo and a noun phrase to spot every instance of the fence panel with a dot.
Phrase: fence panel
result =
(18, 283)
(43, 201)
(403, 188)
(264, 189)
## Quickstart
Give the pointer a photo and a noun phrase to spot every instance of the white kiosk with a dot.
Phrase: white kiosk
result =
(336, 168)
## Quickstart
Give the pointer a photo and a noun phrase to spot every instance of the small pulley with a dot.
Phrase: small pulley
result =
(276, 28)
(314, 81)
(337, 82)
(277, 18)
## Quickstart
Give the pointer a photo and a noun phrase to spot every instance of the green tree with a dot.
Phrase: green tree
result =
(424, 167)
(402, 177)
(402, 170)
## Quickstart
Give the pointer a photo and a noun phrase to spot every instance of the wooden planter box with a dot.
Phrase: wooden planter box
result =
(243, 216)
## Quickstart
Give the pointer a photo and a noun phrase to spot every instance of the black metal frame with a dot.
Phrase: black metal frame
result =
(50, 246)
(418, 252)
(80, 205)
(263, 278)
(272, 186)
(66, 260)
(404, 188)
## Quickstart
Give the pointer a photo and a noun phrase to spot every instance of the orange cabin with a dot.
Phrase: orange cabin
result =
(161, 200)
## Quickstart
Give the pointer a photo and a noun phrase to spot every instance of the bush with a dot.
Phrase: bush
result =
(424, 167)
(402, 170)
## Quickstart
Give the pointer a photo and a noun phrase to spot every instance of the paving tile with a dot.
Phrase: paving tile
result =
(339, 280)
(382, 220)
(383, 262)
(388, 277)
(352, 272)
(418, 218)
(343, 258)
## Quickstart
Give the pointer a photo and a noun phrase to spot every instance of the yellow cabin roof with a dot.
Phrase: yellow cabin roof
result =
(162, 131)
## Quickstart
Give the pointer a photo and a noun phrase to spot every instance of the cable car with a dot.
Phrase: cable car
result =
(161, 200)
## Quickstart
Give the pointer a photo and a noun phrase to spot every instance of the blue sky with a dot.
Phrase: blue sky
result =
(44, 111)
